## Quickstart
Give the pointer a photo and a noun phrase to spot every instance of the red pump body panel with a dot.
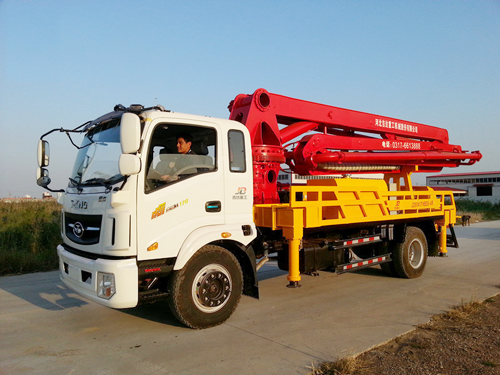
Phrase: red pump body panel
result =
(341, 140)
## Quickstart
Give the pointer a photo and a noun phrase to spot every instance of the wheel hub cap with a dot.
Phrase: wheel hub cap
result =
(212, 288)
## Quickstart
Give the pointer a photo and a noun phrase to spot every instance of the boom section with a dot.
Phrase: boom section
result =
(338, 140)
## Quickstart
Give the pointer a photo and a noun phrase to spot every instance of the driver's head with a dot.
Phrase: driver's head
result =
(184, 142)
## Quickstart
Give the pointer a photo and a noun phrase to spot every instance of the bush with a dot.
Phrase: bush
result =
(488, 210)
(29, 234)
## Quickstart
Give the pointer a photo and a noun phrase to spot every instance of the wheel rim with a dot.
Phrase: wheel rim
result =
(212, 288)
(416, 253)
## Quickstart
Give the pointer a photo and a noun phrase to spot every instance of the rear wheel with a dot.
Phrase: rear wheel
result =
(382, 249)
(410, 257)
(206, 291)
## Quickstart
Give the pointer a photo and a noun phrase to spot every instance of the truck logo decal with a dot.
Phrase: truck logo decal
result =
(160, 210)
(241, 193)
(79, 204)
(78, 229)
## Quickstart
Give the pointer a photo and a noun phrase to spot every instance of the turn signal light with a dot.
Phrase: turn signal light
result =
(153, 247)
(225, 234)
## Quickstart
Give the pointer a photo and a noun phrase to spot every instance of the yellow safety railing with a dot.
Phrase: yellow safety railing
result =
(347, 201)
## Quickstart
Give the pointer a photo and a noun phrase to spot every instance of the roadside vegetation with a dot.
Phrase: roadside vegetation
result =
(478, 211)
(463, 340)
(29, 234)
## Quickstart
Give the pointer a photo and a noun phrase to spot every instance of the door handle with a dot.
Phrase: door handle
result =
(213, 206)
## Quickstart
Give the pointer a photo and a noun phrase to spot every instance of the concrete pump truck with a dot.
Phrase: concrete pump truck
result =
(143, 221)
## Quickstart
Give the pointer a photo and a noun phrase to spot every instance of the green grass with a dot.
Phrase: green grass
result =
(488, 210)
(489, 364)
(29, 234)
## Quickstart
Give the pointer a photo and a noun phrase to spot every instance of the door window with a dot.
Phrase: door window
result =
(236, 151)
(178, 152)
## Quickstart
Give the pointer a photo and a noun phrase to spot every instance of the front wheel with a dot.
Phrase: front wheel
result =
(410, 257)
(206, 291)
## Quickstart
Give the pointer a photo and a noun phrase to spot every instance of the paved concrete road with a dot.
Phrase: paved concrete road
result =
(47, 329)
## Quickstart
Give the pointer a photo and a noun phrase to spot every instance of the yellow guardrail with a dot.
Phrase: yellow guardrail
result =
(333, 202)
(347, 201)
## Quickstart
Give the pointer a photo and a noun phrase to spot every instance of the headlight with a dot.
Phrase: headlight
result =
(105, 285)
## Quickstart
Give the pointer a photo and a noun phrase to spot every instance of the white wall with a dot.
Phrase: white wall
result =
(494, 198)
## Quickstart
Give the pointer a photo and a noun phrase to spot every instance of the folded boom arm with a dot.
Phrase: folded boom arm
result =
(341, 140)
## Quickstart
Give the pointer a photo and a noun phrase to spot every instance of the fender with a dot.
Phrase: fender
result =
(205, 235)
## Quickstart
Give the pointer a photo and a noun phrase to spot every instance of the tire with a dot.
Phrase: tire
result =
(410, 257)
(198, 307)
(388, 268)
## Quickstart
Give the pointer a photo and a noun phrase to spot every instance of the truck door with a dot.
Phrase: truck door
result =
(178, 191)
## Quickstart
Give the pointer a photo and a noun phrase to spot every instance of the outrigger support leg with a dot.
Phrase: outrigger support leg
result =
(443, 251)
(294, 234)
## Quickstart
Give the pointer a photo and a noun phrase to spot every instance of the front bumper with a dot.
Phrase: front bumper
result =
(80, 274)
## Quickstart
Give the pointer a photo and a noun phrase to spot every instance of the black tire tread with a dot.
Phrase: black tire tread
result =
(399, 256)
(175, 285)
(382, 249)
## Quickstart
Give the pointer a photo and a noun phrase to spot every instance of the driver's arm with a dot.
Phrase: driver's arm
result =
(168, 178)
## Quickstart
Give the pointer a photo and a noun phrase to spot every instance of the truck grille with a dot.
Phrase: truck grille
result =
(83, 229)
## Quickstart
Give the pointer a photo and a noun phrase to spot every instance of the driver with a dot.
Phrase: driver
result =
(184, 142)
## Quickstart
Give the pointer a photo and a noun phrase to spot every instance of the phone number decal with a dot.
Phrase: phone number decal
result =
(399, 145)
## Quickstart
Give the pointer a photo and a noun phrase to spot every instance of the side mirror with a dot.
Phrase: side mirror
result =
(129, 164)
(42, 177)
(130, 133)
(43, 153)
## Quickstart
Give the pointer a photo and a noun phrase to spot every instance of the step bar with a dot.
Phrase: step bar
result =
(365, 263)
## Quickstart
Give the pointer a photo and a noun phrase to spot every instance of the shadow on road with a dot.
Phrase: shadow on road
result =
(372, 271)
(158, 312)
(43, 290)
(271, 270)
(477, 233)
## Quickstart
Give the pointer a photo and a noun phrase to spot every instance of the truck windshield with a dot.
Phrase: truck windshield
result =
(97, 160)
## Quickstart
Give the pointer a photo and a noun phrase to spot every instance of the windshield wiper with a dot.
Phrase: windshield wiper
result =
(97, 181)
(76, 184)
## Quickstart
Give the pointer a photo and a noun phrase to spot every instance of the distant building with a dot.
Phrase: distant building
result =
(483, 186)
(17, 200)
(28, 198)
(47, 195)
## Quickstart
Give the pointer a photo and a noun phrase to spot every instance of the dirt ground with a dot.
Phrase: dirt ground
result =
(465, 341)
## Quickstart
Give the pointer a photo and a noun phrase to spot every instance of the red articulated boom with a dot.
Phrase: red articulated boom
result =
(341, 141)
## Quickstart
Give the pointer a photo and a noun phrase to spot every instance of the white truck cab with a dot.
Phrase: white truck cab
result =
(136, 211)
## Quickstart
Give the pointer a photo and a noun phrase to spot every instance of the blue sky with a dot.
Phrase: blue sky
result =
(65, 62)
